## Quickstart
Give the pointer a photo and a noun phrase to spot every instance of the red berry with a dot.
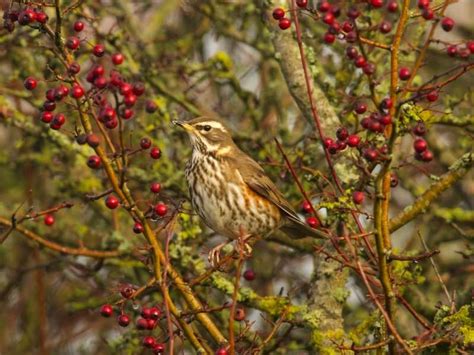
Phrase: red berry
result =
(365, 123)
(420, 145)
(392, 6)
(278, 13)
(111, 124)
(376, 3)
(342, 133)
(26, 17)
(447, 23)
(284, 23)
(155, 313)
(112, 202)
(324, 6)
(41, 17)
(385, 27)
(428, 14)
(73, 43)
(141, 324)
(155, 153)
(404, 73)
(77, 91)
(239, 314)
(161, 209)
(327, 142)
(48, 219)
(145, 143)
(302, 3)
(312, 222)
(422, 4)
(333, 148)
(130, 100)
(371, 154)
(360, 107)
(137, 228)
(452, 50)
(329, 38)
(123, 320)
(117, 58)
(360, 61)
(159, 348)
(100, 82)
(98, 70)
(148, 342)
(306, 207)
(375, 126)
(98, 50)
(249, 275)
(106, 310)
(341, 145)
(146, 313)
(358, 197)
(347, 26)
(419, 129)
(138, 88)
(369, 68)
(46, 116)
(427, 156)
(74, 68)
(351, 52)
(126, 291)
(58, 119)
(386, 104)
(329, 18)
(155, 187)
(125, 89)
(151, 323)
(353, 140)
(385, 120)
(353, 13)
(30, 83)
(93, 140)
(94, 162)
(470, 46)
(222, 351)
(432, 96)
(78, 26)
(126, 113)
(150, 106)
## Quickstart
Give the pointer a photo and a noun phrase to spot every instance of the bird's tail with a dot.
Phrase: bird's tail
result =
(298, 230)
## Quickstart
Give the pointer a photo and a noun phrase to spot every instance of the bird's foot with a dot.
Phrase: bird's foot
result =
(214, 256)
(243, 247)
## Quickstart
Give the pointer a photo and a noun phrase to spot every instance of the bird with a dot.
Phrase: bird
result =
(231, 192)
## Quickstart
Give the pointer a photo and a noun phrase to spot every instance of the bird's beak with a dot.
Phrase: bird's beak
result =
(184, 125)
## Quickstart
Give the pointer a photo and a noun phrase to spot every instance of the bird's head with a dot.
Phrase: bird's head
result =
(208, 135)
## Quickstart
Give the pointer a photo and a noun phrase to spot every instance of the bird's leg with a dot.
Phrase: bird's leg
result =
(244, 245)
(214, 256)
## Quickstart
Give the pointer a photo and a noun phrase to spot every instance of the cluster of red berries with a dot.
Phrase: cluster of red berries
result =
(148, 320)
(420, 145)
(312, 221)
(343, 140)
(26, 16)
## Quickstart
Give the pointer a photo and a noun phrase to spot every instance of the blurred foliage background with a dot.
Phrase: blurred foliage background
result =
(220, 58)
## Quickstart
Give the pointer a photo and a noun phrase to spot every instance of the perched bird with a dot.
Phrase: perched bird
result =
(230, 191)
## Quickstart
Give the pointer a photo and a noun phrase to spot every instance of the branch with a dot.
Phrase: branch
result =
(455, 173)
(61, 248)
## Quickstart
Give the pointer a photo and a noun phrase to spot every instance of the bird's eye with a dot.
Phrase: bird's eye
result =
(207, 128)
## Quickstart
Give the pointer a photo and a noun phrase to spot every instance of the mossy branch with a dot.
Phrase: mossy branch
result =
(456, 172)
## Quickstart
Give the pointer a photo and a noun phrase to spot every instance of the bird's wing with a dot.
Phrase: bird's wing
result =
(254, 176)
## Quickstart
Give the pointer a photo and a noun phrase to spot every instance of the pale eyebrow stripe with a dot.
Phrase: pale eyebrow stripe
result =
(213, 124)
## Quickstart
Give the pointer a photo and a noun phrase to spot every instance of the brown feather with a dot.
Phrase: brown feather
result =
(254, 176)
